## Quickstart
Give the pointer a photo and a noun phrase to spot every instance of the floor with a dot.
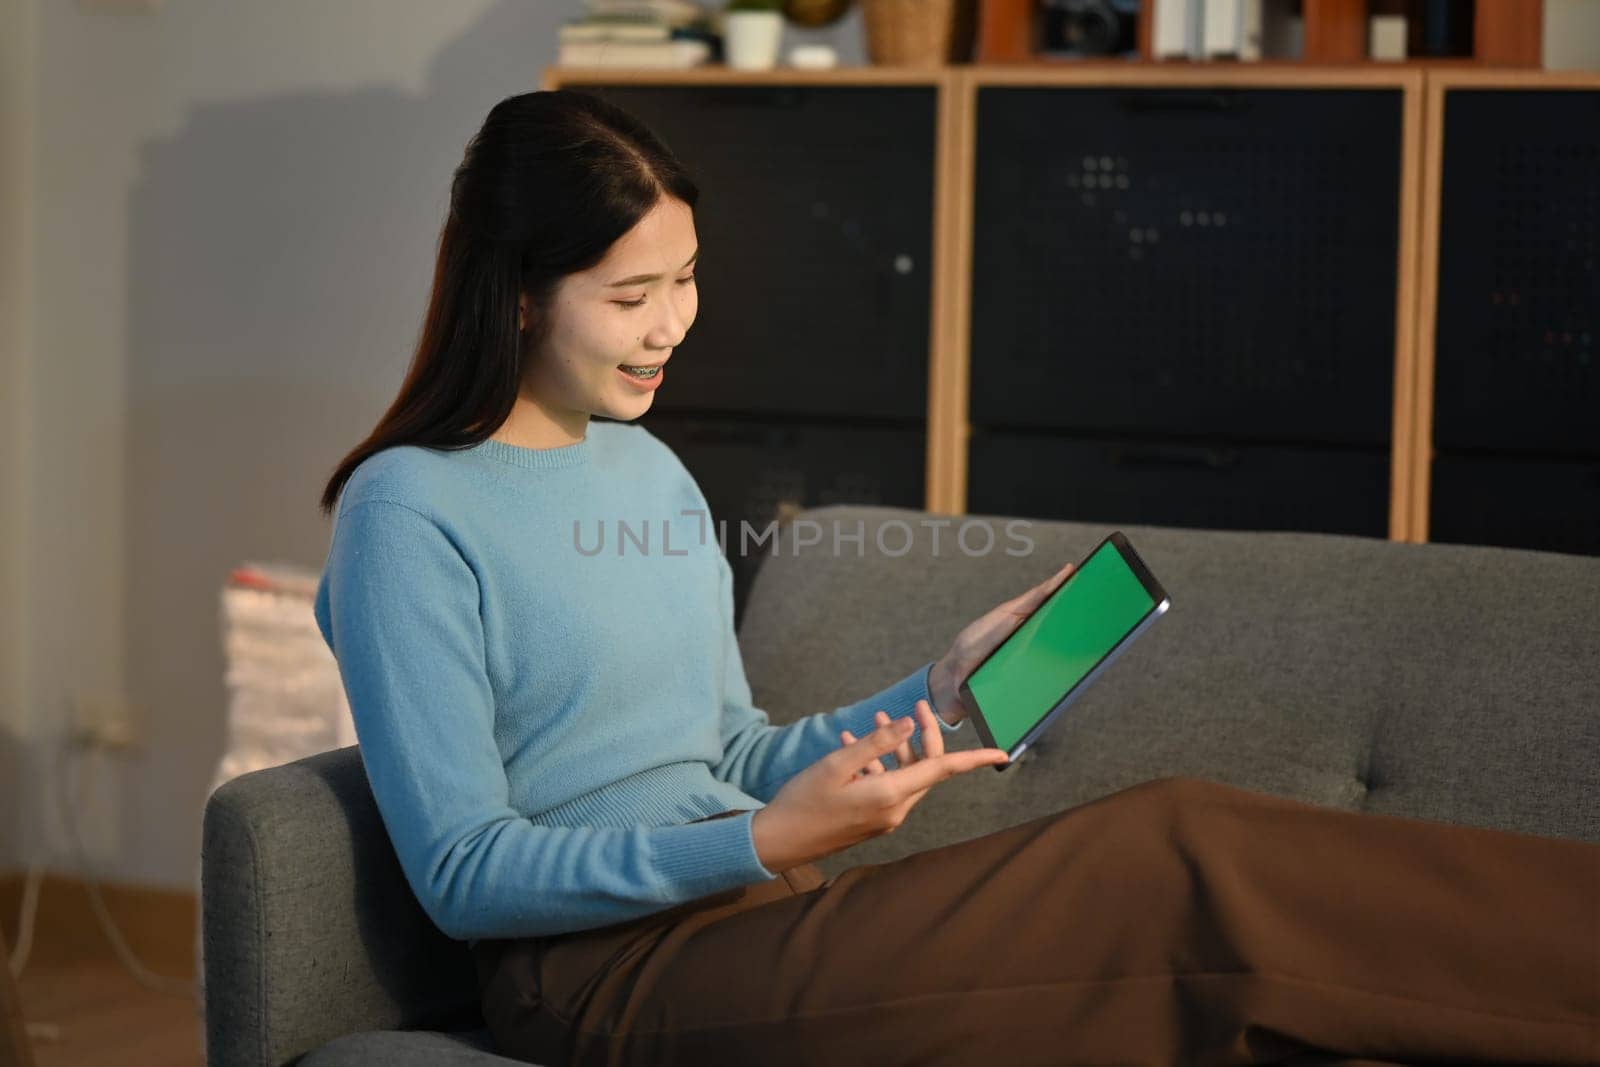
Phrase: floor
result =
(104, 1016)
(83, 1007)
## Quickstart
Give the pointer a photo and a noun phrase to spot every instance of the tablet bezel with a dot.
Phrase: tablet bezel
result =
(1160, 603)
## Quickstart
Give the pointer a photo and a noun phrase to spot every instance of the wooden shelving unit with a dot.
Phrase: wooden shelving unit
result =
(949, 357)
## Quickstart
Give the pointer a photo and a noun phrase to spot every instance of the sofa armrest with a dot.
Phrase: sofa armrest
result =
(309, 929)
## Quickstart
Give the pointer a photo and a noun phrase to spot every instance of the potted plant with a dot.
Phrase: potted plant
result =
(751, 32)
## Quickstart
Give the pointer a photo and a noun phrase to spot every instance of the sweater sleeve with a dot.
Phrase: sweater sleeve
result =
(759, 757)
(401, 613)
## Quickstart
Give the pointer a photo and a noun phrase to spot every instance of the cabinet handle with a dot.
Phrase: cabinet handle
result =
(1213, 100)
(756, 97)
(1155, 456)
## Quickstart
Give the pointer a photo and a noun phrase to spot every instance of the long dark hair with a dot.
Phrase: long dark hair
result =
(548, 184)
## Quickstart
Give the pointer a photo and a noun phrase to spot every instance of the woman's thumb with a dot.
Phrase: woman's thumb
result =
(1037, 594)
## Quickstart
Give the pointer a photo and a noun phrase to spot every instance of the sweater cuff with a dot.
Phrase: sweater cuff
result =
(927, 674)
(711, 856)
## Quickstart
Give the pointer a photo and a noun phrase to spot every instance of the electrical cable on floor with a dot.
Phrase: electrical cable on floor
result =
(27, 917)
(142, 974)
(28, 914)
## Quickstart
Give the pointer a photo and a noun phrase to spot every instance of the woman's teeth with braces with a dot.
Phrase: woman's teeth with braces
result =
(650, 373)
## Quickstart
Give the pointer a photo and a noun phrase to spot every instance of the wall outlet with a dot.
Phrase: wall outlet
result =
(87, 806)
(106, 720)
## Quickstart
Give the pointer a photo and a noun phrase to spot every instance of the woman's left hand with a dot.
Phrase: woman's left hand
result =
(979, 638)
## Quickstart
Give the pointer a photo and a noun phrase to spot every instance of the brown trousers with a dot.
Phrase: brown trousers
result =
(1179, 921)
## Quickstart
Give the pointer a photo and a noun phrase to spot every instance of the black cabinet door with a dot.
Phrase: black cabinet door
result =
(1517, 336)
(1516, 501)
(748, 470)
(816, 229)
(1187, 261)
(1215, 486)
(1518, 313)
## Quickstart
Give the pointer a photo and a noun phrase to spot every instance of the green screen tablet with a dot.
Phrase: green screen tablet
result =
(1018, 690)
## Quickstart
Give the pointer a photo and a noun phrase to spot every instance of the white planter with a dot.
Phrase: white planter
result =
(750, 39)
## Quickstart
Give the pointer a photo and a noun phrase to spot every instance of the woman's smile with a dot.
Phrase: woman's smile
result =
(647, 381)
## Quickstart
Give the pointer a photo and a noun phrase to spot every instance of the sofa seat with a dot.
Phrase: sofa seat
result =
(409, 1048)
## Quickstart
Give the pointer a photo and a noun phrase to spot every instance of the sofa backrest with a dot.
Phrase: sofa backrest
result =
(1450, 682)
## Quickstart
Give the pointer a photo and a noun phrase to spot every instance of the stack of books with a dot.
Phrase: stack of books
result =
(638, 33)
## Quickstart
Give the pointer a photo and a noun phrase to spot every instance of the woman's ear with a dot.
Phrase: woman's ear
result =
(522, 314)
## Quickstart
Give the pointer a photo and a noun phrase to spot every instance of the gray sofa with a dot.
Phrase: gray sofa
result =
(1445, 682)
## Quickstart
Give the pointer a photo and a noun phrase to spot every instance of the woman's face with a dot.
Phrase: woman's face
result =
(632, 308)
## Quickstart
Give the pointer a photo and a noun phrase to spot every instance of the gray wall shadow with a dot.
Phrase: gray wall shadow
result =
(280, 255)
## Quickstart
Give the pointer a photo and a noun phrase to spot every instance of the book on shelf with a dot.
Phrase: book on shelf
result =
(670, 10)
(682, 52)
(1178, 29)
(1232, 29)
(592, 30)
(1217, 29)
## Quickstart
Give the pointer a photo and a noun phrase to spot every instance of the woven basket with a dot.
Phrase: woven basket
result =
(910, 33)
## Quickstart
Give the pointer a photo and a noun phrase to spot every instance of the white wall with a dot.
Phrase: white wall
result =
(236, 211)
(18, 76)
(1572, 34)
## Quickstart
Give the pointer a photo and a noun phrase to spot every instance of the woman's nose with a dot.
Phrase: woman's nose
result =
(672, 328)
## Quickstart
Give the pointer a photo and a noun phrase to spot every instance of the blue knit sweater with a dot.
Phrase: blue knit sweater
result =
(540, 659)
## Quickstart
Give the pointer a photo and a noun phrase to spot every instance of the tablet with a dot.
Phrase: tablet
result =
(1020, 688)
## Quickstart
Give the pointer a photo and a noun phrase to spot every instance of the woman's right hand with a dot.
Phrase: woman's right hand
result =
(847, 797)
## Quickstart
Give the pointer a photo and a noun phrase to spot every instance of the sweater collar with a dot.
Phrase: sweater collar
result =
(572, 455)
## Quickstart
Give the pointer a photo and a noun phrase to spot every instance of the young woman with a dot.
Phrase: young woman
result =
(559, 733)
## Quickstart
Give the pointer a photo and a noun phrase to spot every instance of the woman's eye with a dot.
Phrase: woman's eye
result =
(640, 301)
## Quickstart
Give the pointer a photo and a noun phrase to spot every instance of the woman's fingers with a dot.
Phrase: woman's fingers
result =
(932, 748)
(910, 780)
(846, 738)
(929, 772)
(902, 752)
(902, 788)
(875, 767)
(932, 736)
